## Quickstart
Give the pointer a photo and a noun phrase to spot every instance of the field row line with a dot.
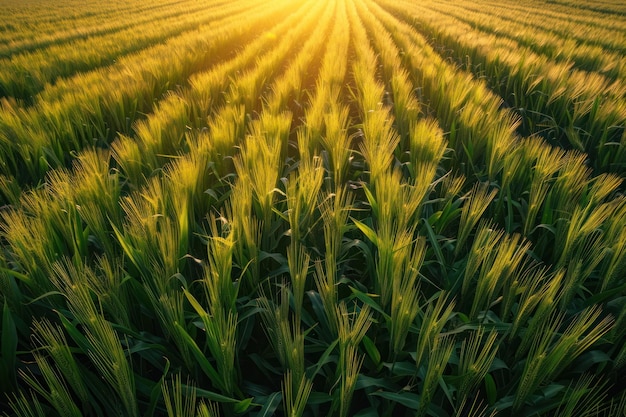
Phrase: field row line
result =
(24, 76)
(89, 108)
(577, 109)
(557, 45)
(28, 29)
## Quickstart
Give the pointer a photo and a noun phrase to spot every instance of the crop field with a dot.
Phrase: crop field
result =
(312, 208)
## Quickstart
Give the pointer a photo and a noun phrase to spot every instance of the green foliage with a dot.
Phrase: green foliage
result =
(336, 214)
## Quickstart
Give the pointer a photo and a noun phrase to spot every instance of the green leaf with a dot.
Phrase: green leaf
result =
(488, 327)
(203, 362)
(498, 364)
(243, 406)
(407, 399)
(317, 398)
(372, 351)
(312, 371)
(155, 392)
(9, 347)
(195, 304)
(265, 366)
(490, 389)
(401, 368)
(548, 400)
(463, 318)
(367, 299)
(509, 211)
(589, 359)
(9, 334)
(434, 243)
(22, 277)
(368, 412)
(371, 199)
(363, 247)
(212, 396)
(364, 381)
(318, 307)
(77, 336)
(45, 295)
(604, 295)
(270, 405)
(551, 390)
(278, 257)
(366, 230)
(446, 390)
(130, 252)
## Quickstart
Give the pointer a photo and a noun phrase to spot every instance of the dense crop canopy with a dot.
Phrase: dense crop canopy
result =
(312, 208)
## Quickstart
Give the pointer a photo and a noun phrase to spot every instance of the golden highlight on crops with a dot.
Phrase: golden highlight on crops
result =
(312, 208)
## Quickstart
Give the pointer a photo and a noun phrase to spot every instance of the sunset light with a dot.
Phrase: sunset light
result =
(309, 208)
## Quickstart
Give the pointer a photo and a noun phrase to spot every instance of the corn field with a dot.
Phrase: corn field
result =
(312, 208)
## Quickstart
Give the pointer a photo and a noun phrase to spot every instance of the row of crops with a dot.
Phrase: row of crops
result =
(312, 208)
